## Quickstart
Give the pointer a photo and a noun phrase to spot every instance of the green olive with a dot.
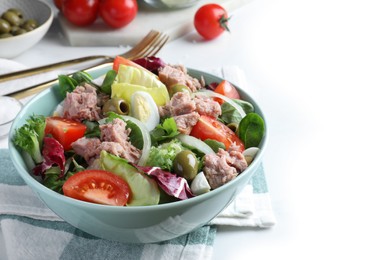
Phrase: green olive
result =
(116, 105)
(178, 88)
(18, 12)
(186, 165)
(12, 18)
(5, 27)
(5, 35)
(30, 24)
(19, 31)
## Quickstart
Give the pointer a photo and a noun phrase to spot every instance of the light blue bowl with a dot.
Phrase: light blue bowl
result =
(142, 224)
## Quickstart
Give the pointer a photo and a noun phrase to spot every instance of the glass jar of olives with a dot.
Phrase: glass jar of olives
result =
(12, 23)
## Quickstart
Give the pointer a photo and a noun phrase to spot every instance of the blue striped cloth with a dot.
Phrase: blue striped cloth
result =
(32, 231)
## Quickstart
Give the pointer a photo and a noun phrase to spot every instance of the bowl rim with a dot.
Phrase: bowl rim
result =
(41, 27)
(30, 180)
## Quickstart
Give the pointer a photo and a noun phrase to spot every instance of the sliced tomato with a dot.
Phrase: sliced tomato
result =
(64, 130)
(227, 89)
(209, 128)
(120, 60)
(97, 186)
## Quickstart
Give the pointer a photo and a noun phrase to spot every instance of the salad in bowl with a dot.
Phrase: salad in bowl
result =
(138, 135)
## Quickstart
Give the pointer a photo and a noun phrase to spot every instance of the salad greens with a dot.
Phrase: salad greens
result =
(144, 189)
(29, 138)
(69, 83)
(156, 177)
(164, 154)
(164, 131)
(131, 79)
(251, 130)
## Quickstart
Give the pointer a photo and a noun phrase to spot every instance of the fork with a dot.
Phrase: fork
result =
(148, 46)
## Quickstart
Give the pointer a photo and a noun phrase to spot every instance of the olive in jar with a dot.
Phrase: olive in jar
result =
(186, 165)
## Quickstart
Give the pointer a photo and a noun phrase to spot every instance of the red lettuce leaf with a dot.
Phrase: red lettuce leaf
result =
(53, 154)
(172, 184)
(151, 63)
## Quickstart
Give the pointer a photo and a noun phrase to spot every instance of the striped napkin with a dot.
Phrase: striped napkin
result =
(29, 230)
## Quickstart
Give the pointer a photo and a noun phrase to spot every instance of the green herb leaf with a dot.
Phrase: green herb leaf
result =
(107, 82)
(165, 131)
(215, 145)
(251, 130)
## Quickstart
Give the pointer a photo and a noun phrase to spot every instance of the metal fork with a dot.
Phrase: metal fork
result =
(148, 46)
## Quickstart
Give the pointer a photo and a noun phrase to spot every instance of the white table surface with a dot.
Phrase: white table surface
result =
(320, 70)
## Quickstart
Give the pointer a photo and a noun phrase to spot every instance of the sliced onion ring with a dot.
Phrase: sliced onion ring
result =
(210, 93)
(196, 143)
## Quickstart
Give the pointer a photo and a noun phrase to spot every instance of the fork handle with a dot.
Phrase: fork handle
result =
(49, 67)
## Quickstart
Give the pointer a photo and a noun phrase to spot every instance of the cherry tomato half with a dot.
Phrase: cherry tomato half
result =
(65, 131)
(97, 186)
(80, 12)
(227, 89)
(118, 13)
(209, 128)
(211, 20)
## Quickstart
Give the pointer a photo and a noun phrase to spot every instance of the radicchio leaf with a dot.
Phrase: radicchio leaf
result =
(172, 184)
(151, 63)
(53, 154)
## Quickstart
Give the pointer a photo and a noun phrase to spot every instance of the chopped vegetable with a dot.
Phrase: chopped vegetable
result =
(131, 79)
(53, 155)
(164, 131)
(209, 128)
(200, 184)
(227, 89)
(163, 155)
(170, 183)
(65, 131)
(251, 130)
(153, 64)
(98, 186)
(29, 137)
(195, 143)
(144, 190)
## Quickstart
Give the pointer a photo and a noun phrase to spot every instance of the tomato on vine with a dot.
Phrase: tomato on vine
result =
(80, 12)
(211, 20)
(118, 13)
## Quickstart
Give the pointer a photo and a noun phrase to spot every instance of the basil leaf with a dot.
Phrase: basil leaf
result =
(93, 129)
(251, 130)
(165, 131)
(229, 114)
(66, 84)
(81, 77)
(246, 106)
(107, 82)
(215, 145)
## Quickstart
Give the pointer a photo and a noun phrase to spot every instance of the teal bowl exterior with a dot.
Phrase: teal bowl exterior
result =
(140, 224)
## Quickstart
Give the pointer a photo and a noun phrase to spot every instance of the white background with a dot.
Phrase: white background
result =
(320, 70)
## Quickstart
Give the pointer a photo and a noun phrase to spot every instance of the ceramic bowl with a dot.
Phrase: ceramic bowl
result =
(137, 224)
(32, 9)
